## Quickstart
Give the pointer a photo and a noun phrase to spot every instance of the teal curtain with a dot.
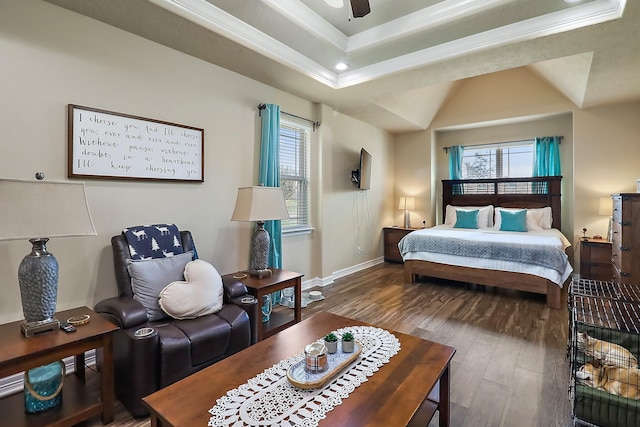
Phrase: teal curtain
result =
(546, 161)
(547, 157)
(455, 166)
(269, 175)
(455, 161)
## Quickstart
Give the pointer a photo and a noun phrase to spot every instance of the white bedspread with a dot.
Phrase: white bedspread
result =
(550, 237)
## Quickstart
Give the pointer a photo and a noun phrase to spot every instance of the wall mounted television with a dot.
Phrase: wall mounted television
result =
(361, 177)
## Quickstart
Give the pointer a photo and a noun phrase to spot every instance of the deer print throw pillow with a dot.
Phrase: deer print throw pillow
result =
(153, 241)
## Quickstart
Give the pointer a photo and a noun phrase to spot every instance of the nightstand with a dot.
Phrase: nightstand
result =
(595, 259)
(391, 236)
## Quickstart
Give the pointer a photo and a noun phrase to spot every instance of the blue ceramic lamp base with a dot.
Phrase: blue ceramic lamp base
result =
(38, 278)
(260, 244)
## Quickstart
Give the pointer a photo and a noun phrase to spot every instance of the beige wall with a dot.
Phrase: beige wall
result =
(353, 218)
(412, 165)
(600, 150)
(52, 57)
(606, 160)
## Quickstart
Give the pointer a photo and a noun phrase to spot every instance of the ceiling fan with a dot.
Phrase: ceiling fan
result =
(359, 8)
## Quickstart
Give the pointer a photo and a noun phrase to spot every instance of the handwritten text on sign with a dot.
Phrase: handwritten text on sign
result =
(114, 145)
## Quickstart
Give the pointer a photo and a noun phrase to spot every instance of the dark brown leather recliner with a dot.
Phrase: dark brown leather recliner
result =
(175, 348)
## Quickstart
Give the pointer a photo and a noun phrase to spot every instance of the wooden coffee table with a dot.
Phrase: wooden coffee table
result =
(399, 394)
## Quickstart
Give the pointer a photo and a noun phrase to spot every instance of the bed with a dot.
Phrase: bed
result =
(510, 269)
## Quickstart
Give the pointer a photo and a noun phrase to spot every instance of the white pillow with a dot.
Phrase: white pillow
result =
(485, 215)
(537, 219)
(199, 294)
(545, 215)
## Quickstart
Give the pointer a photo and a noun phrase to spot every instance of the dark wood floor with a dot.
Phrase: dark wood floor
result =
(510, 367)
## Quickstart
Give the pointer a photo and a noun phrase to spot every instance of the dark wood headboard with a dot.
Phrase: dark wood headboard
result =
(531, 193)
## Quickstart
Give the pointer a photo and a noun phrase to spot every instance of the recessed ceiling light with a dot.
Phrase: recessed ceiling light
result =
(335, 3)
(341, 66)
(572, 1)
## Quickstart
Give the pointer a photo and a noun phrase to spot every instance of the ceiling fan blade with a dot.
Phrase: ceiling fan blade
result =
(360, 8)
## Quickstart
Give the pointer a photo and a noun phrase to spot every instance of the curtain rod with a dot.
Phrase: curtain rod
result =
(446, 149)
(313, 123)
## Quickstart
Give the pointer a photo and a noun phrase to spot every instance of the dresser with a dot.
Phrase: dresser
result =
(595, 259)
(626, 238)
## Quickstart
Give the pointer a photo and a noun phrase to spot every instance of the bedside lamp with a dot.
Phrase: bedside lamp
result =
(407, 204)
(260, 204)
(605, 208)
(37, 211)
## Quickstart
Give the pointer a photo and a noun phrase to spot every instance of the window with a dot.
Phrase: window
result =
(294, 173)
(507, 160)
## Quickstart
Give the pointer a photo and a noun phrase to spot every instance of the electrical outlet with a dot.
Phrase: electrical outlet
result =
(360, 249)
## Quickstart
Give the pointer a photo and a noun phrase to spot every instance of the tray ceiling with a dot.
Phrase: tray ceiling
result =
(405, 56)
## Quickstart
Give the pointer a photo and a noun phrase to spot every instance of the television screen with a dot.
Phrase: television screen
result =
(365, 170)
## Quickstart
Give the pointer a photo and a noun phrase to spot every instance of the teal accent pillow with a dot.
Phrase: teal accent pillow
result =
(513, 220)
(466, 219)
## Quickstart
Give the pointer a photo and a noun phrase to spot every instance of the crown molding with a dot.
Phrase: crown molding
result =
(557, 22)
(307, 19)
(424, 19)
(213, 18)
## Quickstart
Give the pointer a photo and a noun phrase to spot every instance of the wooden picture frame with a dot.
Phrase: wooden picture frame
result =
(104, 144)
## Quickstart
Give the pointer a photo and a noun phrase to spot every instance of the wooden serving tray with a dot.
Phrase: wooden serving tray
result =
(336, 362)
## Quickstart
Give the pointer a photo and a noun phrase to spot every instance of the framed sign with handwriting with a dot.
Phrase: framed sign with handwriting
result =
(104, 144)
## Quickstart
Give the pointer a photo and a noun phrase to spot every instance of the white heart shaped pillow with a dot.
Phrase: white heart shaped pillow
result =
(198, 295)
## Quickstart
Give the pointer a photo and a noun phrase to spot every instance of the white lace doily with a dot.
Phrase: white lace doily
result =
(269, 399)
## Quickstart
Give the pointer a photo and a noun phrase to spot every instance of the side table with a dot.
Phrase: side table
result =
(259, 287)
(18, 354)
(391, 237)
(595, 259)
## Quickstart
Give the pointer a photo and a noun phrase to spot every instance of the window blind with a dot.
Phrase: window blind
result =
(294, 172)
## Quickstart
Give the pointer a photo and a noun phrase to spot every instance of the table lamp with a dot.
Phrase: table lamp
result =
(38, 211)
(605, 208)
(260, 204)
(407, 204)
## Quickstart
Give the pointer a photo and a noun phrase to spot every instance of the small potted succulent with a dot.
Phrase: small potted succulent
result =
(347, 342)
(331, 342)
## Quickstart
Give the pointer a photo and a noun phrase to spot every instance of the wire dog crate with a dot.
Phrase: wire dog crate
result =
(606, 391)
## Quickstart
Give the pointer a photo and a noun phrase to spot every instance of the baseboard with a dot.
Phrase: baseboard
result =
(317, 282)
(358, 267)
(14, 383)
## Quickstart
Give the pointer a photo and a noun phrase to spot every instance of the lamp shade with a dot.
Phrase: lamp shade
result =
(407, 203)
(260, 204)
(605, 206)
(33, 209)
